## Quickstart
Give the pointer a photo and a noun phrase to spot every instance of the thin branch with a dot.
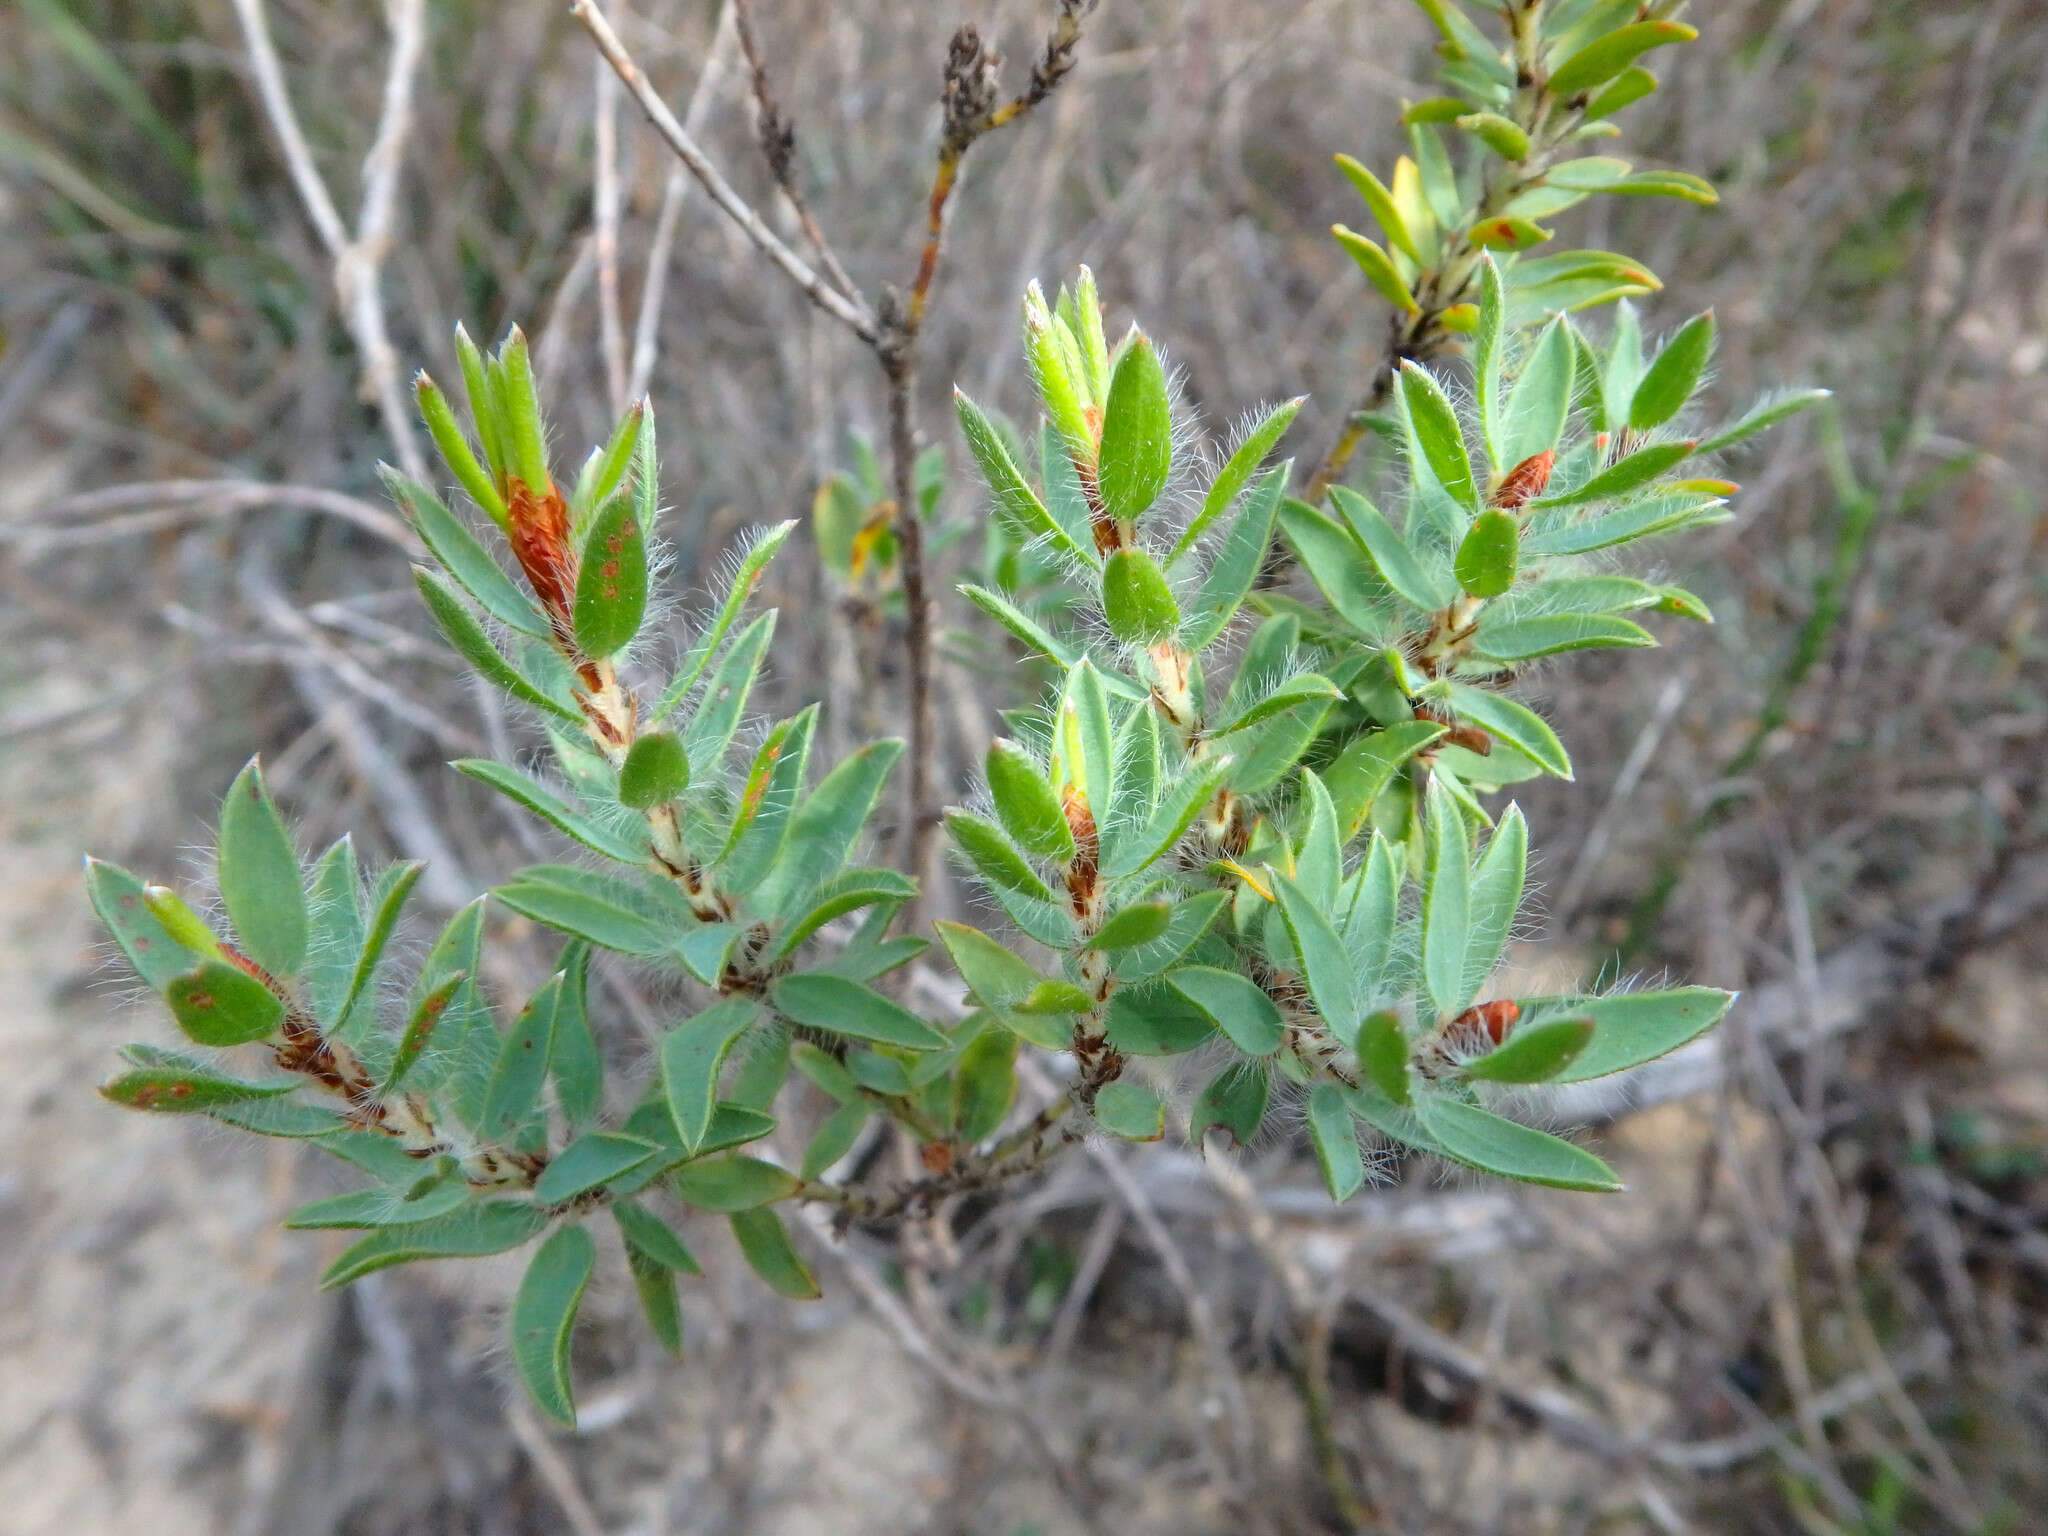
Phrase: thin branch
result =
(605, 208)
(969, 102)
(358, 260)
(654, 286)
(778, 147)
(198, 498)
(855, 317)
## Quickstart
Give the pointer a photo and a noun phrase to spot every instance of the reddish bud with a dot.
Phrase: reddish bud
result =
(1524, 483)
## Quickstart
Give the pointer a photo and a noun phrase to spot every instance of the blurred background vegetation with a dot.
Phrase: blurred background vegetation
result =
(1821, 1308)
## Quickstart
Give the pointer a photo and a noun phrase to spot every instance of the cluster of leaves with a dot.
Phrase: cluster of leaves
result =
(1241, 823)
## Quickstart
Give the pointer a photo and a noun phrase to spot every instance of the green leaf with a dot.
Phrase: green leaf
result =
(1153, 1019)
(185, 1089)
(1483, 1140)
(1335, 1140)
(1533, 1053)
(1383, 1053)
(655, 1284)
(1137, 603)
(293, 1119)
(554, 894)
(1437, 429)
(768, 803)
(1237, 562)
(489, 431)
(464, 558)
(1319, 856)
(765, 1243)
(994, 857)
(1234, 1102)
(656, 771)
(1604, 58)
(853, 890)
(1082, 310)
(1506, 139)
(1489, 553)
(1025, 802)
(1514, 723)
(381, 1207)
(259, 876)
(1060, 372)
(611, 581)
(1668, 383)
(1131, 1112)
(525, 434)
(1325, 967)
(1084, 743)
(463, 632)
(1240, 1007)
(1679, 184)
(1237, 471)
(726, 1184)
(521, 1072)
(1380, 203)
(590, 1162)
(1391, 554)
(745, 576)
(1299, 689)
(1446, 901)
(1664, 513)
(984, 1084)
(1138, 848)
(220, 1004)
(691, 1055)
(1336, 562)
(334, 931)
(1541, 398)
(1135, 925)
(1026, 629)
(843, 1007)
(119, 899)
(471, 1231)
(835, 1138)
(1014, 499)
(1549, 633)
(1137, 434)
(824, 828)
(1626, 89)
(1496, 896)
(717, 715)
(1262, 756)
(1486, 359)
(394, 887)
(544, 1312)
(1629, 474)
(1361, 772)
(1630, 1028)
(549, 807)
(652, 1238)
(1378, 268)
(419, 1029)
(1001, 983)
(1191, 917)
(1508, 232)
(1766, 413)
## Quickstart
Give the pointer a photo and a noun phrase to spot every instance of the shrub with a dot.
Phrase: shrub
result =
(1247, 819)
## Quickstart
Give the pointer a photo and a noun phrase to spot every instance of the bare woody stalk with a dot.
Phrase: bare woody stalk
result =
(973, 107)
(358, 258)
